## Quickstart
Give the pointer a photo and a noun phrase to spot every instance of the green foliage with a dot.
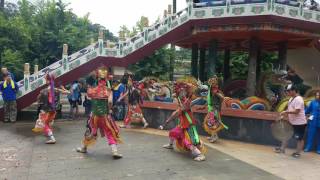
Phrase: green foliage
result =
(35, 33)
(155, 65)
(239, 65)
(11, 60)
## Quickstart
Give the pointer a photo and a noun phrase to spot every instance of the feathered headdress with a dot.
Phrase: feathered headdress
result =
(185, 85)
(213, 82)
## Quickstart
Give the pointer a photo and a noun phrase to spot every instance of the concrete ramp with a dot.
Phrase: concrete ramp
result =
(306, 63)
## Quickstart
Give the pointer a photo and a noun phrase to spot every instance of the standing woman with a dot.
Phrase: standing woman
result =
(212, 122)
(313, 110)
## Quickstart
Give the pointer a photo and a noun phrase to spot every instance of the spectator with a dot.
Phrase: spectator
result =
(296, 116)
(9, 88)
(4, 71)
(163, 94)
(311, 5)
(314, 123)
(202, 94)
(74, 98)
(118, 90)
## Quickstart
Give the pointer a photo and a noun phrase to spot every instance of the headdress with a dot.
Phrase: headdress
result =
(184, 85)
(214, 81)
(102, 73)
(103, 76)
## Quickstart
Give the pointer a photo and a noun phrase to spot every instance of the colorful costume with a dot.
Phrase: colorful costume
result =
(48, 110)
(134, 114)
(212, 122)
(100, 117)
(185, 134)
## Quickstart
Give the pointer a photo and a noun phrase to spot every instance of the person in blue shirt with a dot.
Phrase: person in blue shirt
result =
(313, 110)
(118, 89)
(74, 99)
(9, 89)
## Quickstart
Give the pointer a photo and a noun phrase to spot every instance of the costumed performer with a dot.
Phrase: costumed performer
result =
(185, 134)
(212, 122)
(101, 119)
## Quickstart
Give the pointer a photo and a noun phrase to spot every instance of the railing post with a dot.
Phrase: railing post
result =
(169, 9)
(301, 9)
(228, 3)
(65, 58)
(100, 42)
(36, 70)
(190, 6)
(26, 76)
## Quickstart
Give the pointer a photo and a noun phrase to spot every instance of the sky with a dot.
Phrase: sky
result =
(113, 14)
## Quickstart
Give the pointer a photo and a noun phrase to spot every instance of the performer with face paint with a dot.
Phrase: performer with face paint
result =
(212, 122)
(134, 114)
(101, 118)
(185, 134)
(47, 100)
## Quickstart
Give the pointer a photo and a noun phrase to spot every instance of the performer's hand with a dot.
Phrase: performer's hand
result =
(161, 127)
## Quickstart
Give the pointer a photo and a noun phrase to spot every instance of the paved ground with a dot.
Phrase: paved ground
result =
(23, 155)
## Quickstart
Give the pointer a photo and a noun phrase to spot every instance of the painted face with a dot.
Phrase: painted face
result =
(102, 73)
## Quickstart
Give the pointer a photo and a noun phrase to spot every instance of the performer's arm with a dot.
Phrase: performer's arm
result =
(172, 116)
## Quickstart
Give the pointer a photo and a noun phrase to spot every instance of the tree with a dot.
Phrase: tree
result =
(142, 23)
(35, 33)
(1, 4)
(155, 65)
(124, 32)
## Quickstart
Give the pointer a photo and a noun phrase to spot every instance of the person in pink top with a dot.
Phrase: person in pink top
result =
(296, 117)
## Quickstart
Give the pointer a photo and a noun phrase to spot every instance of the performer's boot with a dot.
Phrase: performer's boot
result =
(170, 145)
(145, 123)
(115, 153)
(197, 154)
(51, 139)
(82, 149)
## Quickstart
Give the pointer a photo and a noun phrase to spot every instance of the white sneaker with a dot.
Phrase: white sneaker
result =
(51, 141)
(81, 150)
(145, 125)
(116, 155)
(168, 146)
(200, 157)
(214, 138)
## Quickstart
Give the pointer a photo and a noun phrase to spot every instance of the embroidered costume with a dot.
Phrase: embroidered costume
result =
(47, 114)
(185, 134)
(100, 118)
(212, 122)
(134, 114)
